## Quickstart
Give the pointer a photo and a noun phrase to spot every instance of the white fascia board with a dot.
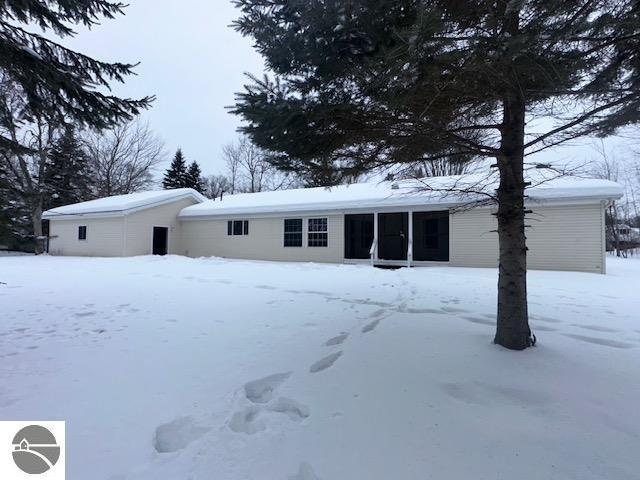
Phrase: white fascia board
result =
(117, 213)
(291, 211)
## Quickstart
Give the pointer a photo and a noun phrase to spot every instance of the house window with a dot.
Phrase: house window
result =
(317, 232)
(293, 232)
(82, 232)
(238, 227)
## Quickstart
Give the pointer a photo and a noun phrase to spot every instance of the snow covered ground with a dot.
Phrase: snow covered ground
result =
(176, 368)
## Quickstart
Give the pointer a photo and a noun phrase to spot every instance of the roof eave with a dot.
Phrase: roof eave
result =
(49, 214)
(305, 209)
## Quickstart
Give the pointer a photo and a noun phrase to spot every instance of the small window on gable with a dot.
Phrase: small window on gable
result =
(292, 232)
(238, 227)
(82, 232)
(317, 236)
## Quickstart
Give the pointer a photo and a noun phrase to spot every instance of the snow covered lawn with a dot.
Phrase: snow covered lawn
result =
(174, 368)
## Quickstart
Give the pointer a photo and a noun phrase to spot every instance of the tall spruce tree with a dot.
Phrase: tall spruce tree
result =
(68, 173)
(176, 174)
(387, 82)
(194, 177)
(57, 83)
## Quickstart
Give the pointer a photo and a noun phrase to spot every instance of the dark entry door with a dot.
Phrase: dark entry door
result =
(393, 236)
(358, 235)
(431, 236)
(160, 240)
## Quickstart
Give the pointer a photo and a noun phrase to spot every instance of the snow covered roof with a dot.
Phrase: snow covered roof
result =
(438, 191)
(123, 204)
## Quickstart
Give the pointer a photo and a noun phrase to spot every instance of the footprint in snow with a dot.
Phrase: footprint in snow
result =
(325, 362)
(371, 326)
(247, 421)
(177, 434)
(337, 340)
(262, 389)
(294, 410)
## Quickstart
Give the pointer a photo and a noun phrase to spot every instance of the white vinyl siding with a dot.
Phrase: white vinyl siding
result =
(558, 238)
(139, 227)
(104, 237)
(127, 235)
(208, 237)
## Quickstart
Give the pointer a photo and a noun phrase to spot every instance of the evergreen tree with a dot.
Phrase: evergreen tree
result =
(57, 83)
(176, 174)
(320, 173)
(194, 178)
(14, 218)
(68, 174)
(389, 82)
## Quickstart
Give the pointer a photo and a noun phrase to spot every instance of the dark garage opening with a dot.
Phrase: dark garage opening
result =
(160, 240)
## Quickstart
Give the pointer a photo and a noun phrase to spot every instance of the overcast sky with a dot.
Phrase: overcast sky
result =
(190, 59)
(194, 63)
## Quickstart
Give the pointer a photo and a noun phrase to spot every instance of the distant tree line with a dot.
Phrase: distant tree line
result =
(66, 164)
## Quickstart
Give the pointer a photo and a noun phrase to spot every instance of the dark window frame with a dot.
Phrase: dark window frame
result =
(237, 227)
(82, 233)
(293, 232)
(318, 232)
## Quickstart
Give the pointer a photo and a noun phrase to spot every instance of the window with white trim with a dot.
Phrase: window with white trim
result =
(238, 227)
(82, 232)
(292, 232)
(318, 233)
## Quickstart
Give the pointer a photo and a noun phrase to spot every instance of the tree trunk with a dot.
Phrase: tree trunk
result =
(512, 323)
(36, 218)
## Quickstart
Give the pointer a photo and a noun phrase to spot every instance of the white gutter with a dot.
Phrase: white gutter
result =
(116, 213)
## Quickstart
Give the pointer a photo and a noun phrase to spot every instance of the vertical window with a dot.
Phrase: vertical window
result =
(293, 232)
(317, 236)
(82, 232)
(238, 227)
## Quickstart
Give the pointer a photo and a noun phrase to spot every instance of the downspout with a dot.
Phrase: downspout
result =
(410, 242)
(124, 235)
(603, 233)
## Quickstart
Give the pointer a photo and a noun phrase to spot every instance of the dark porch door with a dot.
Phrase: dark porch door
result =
(431, 236)
(358, 235)
(393, 235)
(160, 240)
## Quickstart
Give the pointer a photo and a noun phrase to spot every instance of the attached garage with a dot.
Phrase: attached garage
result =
(120, 226)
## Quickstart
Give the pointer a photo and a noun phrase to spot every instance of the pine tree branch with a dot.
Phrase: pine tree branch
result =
(581, 119)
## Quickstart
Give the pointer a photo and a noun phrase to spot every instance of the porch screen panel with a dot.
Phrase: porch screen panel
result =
(431, 236)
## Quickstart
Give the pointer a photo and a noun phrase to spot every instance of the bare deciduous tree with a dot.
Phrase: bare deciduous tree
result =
(124, 158)
(24, 170)
(624, 212)
(216, 186)
(249, 169)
